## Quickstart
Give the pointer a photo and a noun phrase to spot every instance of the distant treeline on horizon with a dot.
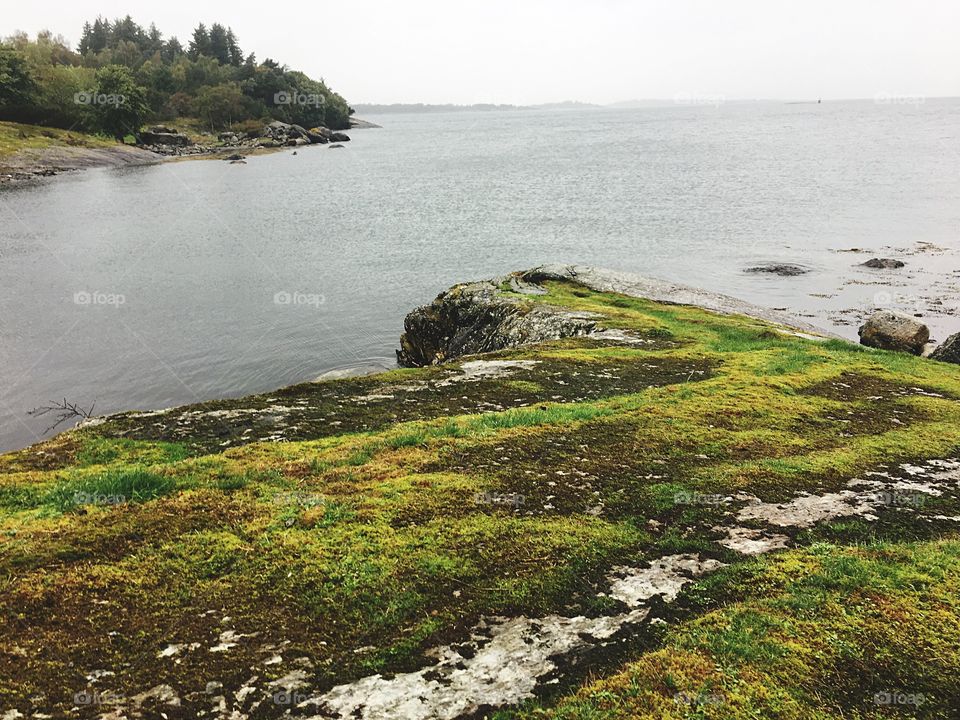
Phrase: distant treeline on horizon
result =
(378, 109)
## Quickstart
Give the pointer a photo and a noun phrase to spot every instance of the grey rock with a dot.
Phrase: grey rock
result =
(889, 330)
(478, 317)
(883, 264)
(148, 137)
(949, 351)
(782, 269)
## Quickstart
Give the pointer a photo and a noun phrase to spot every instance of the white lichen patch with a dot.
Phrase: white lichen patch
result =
(749, 541)
(474, 370)
(504, 670)
(505, 659)
(862, 498)
(806, 510)
(227, 641)
(666, 576)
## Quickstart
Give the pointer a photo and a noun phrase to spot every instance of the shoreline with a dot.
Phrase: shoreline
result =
(29, 164)
(500, 296)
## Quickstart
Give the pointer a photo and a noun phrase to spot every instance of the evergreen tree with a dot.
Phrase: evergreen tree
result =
(219, 46)
(200, 44)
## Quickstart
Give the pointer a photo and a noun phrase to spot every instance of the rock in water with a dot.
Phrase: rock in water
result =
(949, 351)
(883, 264)
(890, 330)
(782, 269)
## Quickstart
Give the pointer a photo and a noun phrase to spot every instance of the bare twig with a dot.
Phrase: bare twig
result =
(63, 411)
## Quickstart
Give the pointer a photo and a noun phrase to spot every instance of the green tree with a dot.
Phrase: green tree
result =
(200, 44)
(119, 104)
(220, 105)
(17, 85)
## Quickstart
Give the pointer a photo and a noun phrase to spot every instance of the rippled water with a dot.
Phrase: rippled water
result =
(154, 286)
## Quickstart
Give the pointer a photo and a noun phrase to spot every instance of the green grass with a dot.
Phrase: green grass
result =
(15, 137)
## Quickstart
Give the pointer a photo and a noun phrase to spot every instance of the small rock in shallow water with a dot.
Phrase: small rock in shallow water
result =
(883, 264)
(782, 269)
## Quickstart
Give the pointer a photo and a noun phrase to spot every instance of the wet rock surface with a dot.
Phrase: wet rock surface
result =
(781, 269)
(884, 264)
(949, 351)
(889, 330)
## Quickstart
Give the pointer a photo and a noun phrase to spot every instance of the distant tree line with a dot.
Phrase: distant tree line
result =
(122, 76)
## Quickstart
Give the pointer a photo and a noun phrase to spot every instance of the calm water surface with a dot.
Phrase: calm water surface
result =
(162, 285)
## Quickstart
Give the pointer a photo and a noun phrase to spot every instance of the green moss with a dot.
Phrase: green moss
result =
(368, 519)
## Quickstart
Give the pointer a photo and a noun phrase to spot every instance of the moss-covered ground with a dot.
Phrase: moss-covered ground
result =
(17, 136)
(350, 525)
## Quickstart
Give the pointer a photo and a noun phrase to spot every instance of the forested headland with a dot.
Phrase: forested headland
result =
(121, 76)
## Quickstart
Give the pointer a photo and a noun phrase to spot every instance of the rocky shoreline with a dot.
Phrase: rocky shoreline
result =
(160, 143)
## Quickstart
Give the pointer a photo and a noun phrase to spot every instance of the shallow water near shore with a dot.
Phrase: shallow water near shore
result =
(154, 286)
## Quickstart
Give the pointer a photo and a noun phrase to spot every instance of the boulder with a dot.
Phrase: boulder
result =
(478, 317)
(782, 269)
(149, 137)
(889, 330)
(949, 351)
(339, 137)
(883, 264)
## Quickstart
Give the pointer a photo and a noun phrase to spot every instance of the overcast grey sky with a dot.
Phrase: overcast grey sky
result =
(531, 51)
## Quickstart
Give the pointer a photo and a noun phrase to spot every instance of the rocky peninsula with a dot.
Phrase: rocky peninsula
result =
(587, 494)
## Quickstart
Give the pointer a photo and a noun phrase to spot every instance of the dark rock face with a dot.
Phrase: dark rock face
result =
(949, 351)
(782, 269)
(883, 264)
(890, 330)
(477, 318)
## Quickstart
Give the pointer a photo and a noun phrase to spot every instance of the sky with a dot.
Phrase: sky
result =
(536, 51)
